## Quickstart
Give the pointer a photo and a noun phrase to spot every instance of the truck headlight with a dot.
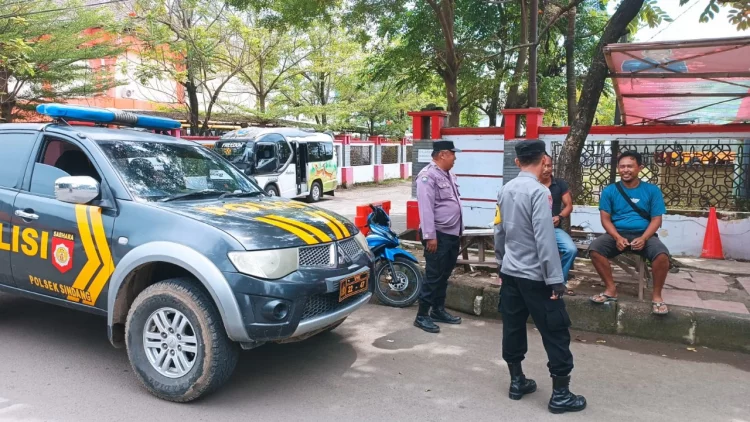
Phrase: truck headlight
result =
(271, 264)
(362, 241)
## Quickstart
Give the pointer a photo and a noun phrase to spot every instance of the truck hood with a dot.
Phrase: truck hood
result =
(267, 223)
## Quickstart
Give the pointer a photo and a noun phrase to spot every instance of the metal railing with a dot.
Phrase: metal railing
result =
(691, 174)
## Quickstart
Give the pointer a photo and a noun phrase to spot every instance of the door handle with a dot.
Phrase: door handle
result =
(26, 215)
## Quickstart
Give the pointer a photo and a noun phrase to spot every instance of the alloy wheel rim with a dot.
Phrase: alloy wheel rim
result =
(170, 342)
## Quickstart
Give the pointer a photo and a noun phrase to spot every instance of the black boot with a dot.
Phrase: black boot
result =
(519, 384)
(562, 399)
(424, 321)
(439, 314)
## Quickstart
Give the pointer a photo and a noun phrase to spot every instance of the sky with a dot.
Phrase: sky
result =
(686, 23)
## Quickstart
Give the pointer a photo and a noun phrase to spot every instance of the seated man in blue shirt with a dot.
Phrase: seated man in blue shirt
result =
(631, 226)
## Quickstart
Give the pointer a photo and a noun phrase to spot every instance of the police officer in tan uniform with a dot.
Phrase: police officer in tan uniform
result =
(532, 280)
(441, 225)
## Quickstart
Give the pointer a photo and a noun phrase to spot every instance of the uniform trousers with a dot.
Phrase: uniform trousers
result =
(438, 268)
(520, 298)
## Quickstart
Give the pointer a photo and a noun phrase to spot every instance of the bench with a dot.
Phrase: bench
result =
(633, 264)
(476, 236)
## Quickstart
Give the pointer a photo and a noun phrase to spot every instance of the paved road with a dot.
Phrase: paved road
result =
(56, 365)
(346, 200)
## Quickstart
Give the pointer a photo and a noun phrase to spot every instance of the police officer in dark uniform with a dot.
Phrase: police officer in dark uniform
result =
(532, 279)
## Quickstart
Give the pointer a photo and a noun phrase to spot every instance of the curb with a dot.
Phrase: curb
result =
(689, 326)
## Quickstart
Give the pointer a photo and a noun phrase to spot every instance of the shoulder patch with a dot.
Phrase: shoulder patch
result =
(425, 179)
(498, 217)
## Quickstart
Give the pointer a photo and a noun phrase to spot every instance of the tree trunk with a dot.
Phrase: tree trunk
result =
(445, 13)
(262, 101)
(261, 87)
(454, 105)
(569, 167)
(570, 66)
(194, 116)
(514, 99)
(533, 39)
(6, 111)
(493, 110)
(7, 101)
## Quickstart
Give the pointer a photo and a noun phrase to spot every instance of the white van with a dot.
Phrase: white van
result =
(286, 162)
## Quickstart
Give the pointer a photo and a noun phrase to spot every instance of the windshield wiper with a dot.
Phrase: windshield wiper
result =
(239, 194)
(184, 195)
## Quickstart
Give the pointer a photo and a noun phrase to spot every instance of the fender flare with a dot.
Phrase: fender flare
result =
(191, 260)
(392, 253)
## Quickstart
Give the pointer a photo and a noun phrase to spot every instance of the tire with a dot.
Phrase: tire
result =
(316, 192)
(272, 190)
(215, 355)
(384, 291)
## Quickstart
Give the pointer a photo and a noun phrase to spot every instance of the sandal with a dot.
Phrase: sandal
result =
(570, 293)
(655, 306)
(603, 298)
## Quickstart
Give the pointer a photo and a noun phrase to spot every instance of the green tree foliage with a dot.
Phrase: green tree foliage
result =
(739, 12)
(44, 51)
(380, 107)
(276, 54)
(461, 41)
(291, 13)
(313, 90)
(200, 45)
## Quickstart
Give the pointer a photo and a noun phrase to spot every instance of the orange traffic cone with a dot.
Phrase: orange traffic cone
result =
(712, 240)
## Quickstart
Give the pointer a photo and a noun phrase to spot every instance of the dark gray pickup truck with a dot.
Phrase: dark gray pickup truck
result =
(186, 257)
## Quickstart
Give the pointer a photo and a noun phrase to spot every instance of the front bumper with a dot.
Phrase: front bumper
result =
(310, 298)
(326, 320)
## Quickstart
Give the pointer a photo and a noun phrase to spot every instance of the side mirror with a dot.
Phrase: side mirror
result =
(76, 189)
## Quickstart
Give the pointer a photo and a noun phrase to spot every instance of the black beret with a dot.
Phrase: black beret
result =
(444, 146)
(530, 148)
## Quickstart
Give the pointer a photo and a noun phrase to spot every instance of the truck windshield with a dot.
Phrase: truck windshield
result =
(154, 171)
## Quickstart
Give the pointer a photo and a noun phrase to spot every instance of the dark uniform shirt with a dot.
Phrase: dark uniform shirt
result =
(558, 188)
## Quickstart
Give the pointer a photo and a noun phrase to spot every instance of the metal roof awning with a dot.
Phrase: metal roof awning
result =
(676, 82)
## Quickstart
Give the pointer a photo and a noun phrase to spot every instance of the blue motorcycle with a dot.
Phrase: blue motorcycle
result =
(397, 274)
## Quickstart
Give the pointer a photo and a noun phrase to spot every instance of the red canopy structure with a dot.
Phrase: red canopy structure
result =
(677, 82)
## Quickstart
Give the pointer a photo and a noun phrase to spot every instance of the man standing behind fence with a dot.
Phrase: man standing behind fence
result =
(441, 225)
(532, 282)
(631, 212)
(562, 207)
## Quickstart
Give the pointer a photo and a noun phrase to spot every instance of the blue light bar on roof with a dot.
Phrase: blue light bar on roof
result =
(106, 116)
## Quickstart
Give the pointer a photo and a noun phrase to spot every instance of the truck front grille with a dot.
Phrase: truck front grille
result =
(317, 256)
(325, 303)
(351, 248)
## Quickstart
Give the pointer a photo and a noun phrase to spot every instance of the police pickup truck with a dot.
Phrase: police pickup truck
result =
(187, 258)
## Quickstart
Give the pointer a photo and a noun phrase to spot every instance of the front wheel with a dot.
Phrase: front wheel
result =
(272, 190)
(401, 290)
(176, 341)
(316, 192)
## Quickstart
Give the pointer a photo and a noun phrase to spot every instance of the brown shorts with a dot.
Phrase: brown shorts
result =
(606, 246)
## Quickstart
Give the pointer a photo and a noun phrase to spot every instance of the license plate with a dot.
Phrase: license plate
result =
(353, 286)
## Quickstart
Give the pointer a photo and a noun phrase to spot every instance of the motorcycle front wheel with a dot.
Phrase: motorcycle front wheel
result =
(399, 290)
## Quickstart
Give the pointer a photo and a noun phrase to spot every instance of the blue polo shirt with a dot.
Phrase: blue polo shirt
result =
(646, 196)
